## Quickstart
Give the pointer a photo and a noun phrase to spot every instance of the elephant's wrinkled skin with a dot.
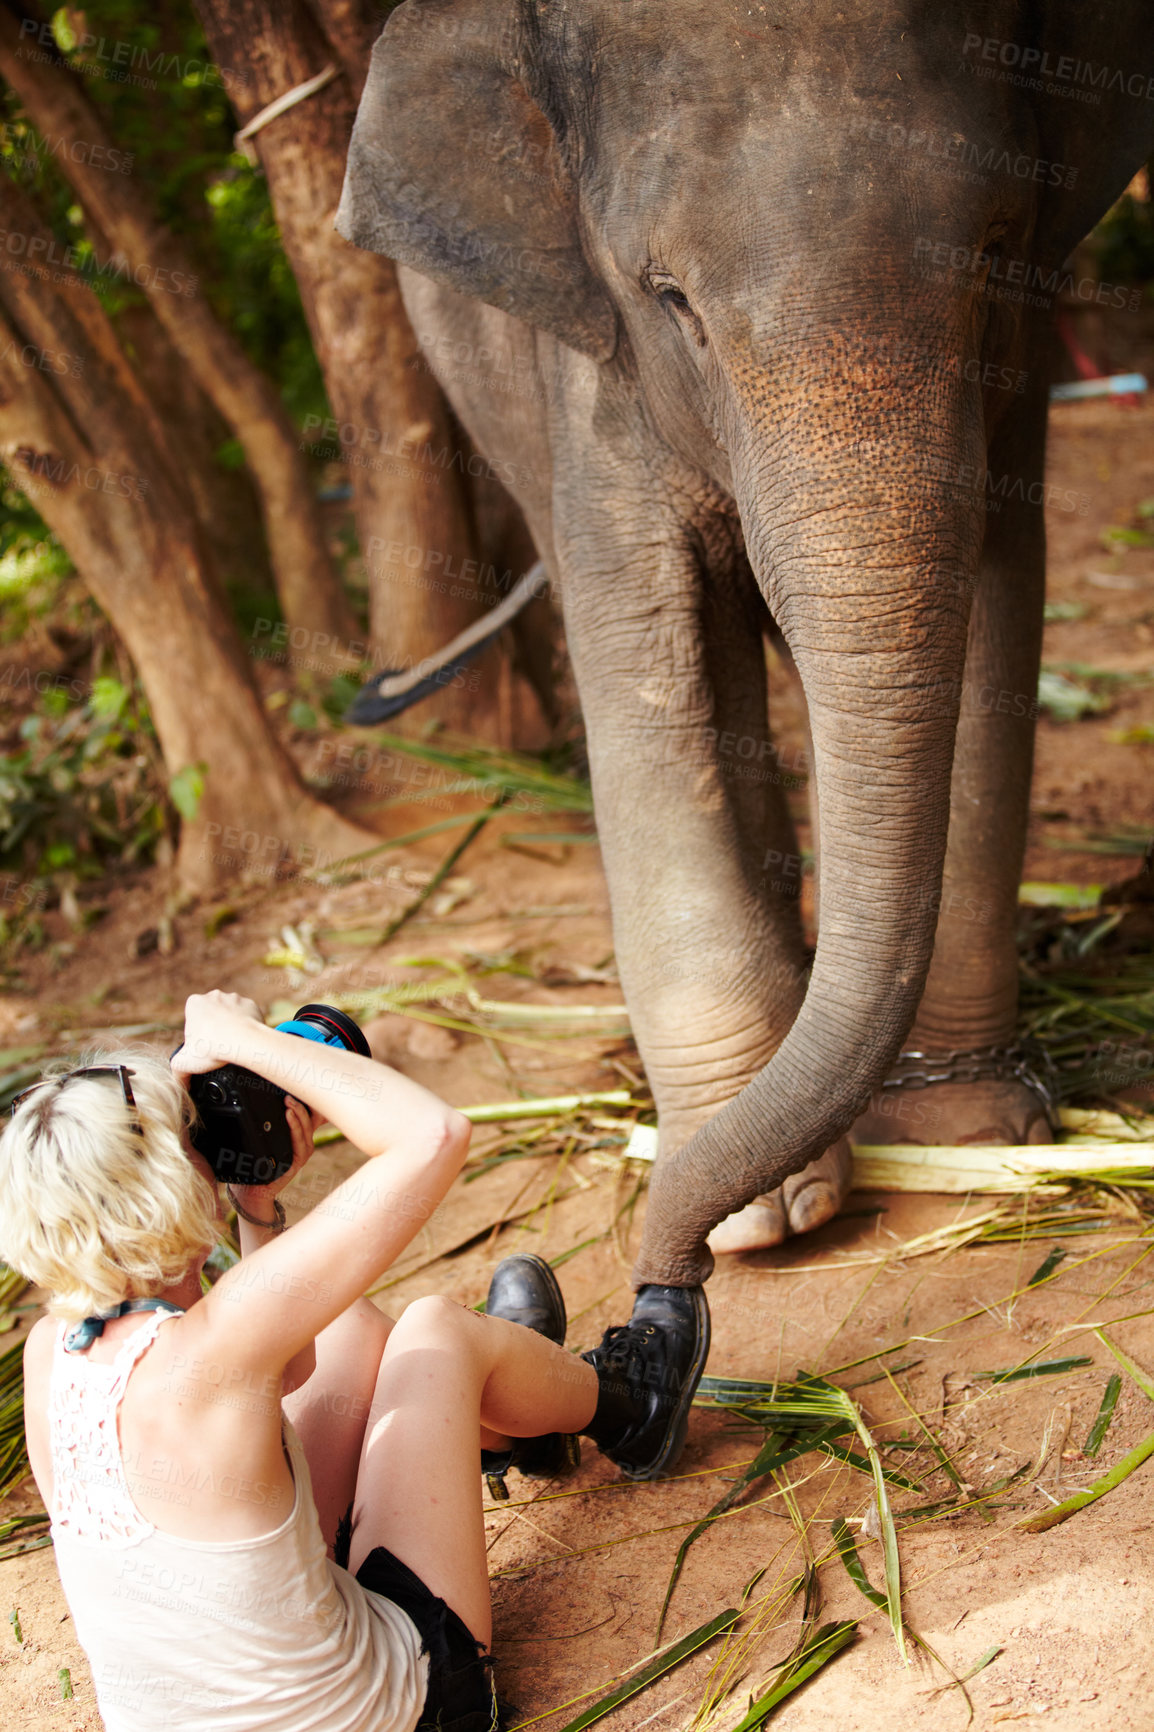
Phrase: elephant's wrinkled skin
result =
(745, 302)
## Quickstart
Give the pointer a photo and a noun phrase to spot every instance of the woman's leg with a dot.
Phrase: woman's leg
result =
(329, 1413)
(446, 1372)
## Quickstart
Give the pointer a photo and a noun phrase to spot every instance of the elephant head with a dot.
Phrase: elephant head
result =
(783, 237)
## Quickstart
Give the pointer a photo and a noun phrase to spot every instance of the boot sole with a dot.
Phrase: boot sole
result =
(678, 1428)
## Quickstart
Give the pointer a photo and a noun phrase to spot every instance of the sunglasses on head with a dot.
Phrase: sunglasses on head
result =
(96, 1070)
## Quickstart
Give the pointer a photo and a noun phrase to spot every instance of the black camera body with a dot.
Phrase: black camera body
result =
(242, 1127)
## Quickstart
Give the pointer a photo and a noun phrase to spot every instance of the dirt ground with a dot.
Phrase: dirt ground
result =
(580, 1566)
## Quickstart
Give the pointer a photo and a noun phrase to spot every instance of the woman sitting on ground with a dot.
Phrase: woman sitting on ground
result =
(232, 1562)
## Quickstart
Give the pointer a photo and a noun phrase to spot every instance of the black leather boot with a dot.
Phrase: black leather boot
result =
(648, 1370)
(524, 1290)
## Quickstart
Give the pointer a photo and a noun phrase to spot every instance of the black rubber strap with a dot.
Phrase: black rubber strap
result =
(387, 693)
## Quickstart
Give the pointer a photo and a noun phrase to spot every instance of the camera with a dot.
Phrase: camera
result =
(242, 1127)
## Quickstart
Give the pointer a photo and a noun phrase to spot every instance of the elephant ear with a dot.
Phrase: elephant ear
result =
(454, 169)
(1093, 150)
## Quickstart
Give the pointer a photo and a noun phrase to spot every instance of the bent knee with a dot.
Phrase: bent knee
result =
(432, 1335)
(433, 1315)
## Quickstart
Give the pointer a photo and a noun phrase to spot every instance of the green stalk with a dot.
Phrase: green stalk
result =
(1049, 1518)
(513, 772)
(1045, 1368)
(847, 1457)
(1101, 1425)
(886, 1518)
(1141, 1378)
(808, 1401)
(656, 1668)
(547, 1107)
(322, 875)
(1046, 1269)
(779, 1448)
(855, 1569)
(827, 1642)
(443, 870)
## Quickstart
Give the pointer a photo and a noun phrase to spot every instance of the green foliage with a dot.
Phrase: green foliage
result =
(1065, 700)
(1104, 1415)
(13, 1443)
(302, 715)
(31, 572)
(1123, 241)
(823, 1646)
(186, 788)
(33, 565)
(1117, 538)
(83, 788)
(22, 530)
(252, 608)
(256, 292)
(230, 454)
(109, 700)
(166, 106)
(341, 691)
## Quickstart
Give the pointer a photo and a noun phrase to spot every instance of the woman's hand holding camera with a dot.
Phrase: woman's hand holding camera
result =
(216, 1030)
(415, 1146)
(301, 1123)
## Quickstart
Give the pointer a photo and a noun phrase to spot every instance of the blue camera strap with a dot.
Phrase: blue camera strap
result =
(84, 1333)
(310, 1031)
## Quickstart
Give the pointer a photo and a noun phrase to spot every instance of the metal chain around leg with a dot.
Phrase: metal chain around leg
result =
(1026, 1062)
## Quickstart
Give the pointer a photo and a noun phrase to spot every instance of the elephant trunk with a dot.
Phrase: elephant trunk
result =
(872, 590)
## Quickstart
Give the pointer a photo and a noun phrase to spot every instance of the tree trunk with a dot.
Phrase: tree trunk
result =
(225, 501)
(86, 446)
(413, 519)
(351, 26)
(307, 583)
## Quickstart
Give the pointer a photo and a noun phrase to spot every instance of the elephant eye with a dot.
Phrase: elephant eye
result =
(673, 298)
(994, 247)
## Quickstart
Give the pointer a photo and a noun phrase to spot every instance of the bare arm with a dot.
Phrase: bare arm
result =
(374, 1106)
(258, 1202)
(286, 1290)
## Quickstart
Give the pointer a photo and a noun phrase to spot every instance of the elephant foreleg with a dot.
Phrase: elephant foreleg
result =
(971, 995)
(668, 658)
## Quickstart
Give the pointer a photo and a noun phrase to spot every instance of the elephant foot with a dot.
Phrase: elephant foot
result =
(999, 1110)
(808, 1200)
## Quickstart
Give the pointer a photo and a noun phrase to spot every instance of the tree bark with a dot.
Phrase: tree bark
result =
(351, 26)
(87, 447)
(307, 582)
(414, 518)
(225, 501)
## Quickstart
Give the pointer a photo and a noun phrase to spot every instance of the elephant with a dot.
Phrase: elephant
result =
(751, 306)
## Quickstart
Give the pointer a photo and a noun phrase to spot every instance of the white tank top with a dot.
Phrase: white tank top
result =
(206, 1636)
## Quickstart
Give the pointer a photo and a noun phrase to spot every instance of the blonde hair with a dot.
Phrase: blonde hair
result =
(89, 1208)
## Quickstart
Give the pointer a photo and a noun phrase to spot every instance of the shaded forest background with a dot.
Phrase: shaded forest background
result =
(223, 451)
(230, 487)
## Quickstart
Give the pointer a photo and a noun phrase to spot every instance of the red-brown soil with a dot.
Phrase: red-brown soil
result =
(579, 1567)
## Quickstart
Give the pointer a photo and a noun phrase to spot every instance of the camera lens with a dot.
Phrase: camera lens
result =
(339, 1029)
(215, 1094)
